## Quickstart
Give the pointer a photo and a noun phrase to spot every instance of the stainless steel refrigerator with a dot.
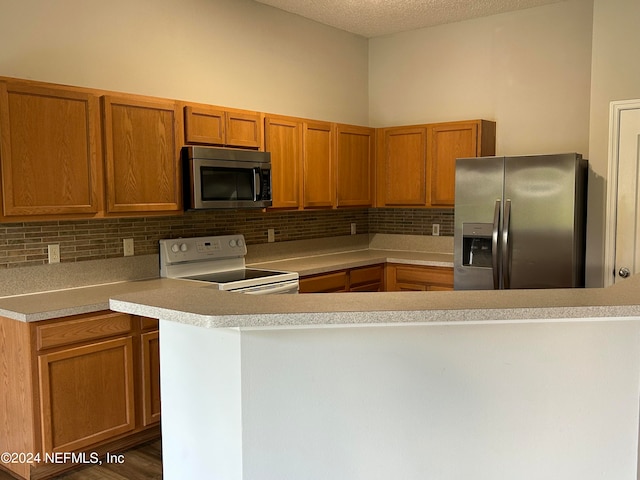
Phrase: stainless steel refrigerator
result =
(520, 222)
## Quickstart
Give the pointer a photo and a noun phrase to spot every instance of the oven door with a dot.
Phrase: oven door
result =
(229, 184)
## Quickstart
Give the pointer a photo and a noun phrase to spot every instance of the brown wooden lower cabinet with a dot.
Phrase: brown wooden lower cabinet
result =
(85, 383)
(361, 279)
(400, 277)
(378, 278)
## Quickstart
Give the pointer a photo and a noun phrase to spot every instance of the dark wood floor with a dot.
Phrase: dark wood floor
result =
(140, 463)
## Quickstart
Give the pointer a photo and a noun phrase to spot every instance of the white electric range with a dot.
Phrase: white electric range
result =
(220, 261)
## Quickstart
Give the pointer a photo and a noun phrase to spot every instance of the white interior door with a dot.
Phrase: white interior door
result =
(623, 226)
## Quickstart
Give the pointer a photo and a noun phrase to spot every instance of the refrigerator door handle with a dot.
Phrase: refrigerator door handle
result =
(495, 259)
(506, 260)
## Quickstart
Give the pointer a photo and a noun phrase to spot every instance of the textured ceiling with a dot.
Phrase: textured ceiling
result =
(372, 18)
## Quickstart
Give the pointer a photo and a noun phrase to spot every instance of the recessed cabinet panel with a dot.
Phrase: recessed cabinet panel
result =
(243, 130)
(87, 394)
(318, 165)
(354, 170)
(50, 149)
(448, 143)
(405, 166)
(284, 141)
(142, 143)
(204, 125)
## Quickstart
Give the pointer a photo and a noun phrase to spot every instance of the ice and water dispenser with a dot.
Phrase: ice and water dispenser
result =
(476, 244)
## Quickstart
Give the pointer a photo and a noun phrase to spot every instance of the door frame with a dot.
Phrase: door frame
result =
(615, 110)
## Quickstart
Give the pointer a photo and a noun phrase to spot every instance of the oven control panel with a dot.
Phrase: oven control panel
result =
(179, 250)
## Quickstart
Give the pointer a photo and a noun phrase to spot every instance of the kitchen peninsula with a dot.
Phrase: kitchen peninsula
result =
(494, 384)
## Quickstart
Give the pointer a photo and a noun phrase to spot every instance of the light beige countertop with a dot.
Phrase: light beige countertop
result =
(206, 307)
(78, 300)
(200, 304)
(74, 301)
(312, 265)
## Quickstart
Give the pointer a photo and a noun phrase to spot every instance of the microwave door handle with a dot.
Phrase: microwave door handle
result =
(257, 184)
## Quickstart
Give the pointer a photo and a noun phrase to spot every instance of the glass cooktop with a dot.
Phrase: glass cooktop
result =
(229, 276)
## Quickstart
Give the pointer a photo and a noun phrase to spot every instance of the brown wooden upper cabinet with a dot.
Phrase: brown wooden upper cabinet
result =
(319, 164)
(209, 125)
(142, 141)
(283, 138)
(50, 151)
(318, 179)
(416, 164)
(354, 166)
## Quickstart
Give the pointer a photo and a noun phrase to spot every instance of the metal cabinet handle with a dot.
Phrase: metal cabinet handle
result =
(624, 272)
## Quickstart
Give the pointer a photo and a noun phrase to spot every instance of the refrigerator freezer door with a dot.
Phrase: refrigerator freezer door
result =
(543, 244)
(479, 185)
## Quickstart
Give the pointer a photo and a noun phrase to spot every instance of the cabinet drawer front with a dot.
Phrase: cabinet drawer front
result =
(360, 276)
(427, 275)
(82, 329)
(147, 323)
(331, 282)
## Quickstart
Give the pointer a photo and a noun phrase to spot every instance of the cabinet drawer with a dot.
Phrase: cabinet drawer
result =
(331, 282)
(147, 323)
(365, 275)
(427, 275)
(82, 328)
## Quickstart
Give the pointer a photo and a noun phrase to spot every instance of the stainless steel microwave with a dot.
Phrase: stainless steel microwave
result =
(226, 178)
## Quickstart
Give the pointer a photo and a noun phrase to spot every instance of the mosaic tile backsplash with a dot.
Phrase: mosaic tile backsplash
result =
(24, 244)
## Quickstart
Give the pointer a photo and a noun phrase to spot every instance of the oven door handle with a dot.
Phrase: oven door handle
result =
(257, 184)
(286, 287)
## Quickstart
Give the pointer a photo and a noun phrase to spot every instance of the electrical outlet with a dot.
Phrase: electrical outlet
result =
(127, 246)
(435, 229)
(54, 253)
(353, 229)
(271, 235)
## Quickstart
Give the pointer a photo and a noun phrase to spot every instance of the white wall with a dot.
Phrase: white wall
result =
(615, 75)
(527, 70)
(235, 53)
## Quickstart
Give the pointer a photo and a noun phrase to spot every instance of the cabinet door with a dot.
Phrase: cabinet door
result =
(448, 142)
(243, 129)
(204, 125)
(404, 160)
(50, 147)
(150, 377)
(284, 141)
(318, 172)
(142, 153)
(86, 394)
(354, 166)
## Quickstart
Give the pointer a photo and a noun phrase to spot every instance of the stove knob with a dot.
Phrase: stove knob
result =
(239, 242)
(183, 247)
(175, 248)
(232, 242)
